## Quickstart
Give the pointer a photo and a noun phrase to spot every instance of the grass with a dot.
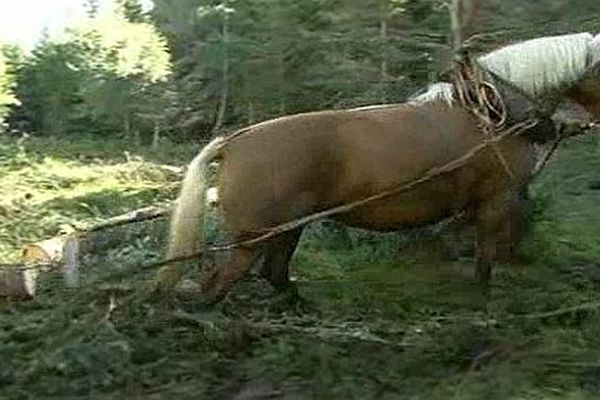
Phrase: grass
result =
(49, 182)
(375, 323)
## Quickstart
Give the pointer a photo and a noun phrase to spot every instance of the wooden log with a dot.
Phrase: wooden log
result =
(62, 252)
(47, 252)
(71, 263)
(50, 252)
(139, 215)
(18, 281)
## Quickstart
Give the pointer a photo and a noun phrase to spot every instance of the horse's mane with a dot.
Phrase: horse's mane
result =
(440, 91)
(536, 66)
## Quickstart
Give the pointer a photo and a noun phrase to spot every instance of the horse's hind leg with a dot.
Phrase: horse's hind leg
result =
(225, 274)
(277, 255)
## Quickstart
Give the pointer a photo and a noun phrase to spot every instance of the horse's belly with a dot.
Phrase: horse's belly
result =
(425, 204)
(391, 217)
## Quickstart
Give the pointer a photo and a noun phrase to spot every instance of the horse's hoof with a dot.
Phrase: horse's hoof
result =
(159, 289)
(290, 298)
(211, 295)
(167, 280)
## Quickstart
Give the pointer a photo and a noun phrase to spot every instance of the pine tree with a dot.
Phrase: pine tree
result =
(132, 10)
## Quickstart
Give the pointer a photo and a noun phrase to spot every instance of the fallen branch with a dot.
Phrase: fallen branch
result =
(341, 332)
(595, 305)
(135, 216)
(324, 333)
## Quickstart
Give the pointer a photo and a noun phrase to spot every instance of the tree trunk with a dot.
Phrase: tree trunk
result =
(225, 76)
(383, 34)
(463, 14)
(456, 24)
(251, 113)
(156, 135)
(126, 126)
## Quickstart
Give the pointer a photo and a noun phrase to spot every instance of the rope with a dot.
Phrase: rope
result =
(582, 129)
(482, 98)
(432, 173)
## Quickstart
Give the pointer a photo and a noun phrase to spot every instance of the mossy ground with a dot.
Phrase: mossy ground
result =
(374, 323)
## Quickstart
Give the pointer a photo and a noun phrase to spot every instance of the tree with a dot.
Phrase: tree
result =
(48, 87)
(238, 62)
(95, 76)
(121, 58)
(9, 57)
(132, 10)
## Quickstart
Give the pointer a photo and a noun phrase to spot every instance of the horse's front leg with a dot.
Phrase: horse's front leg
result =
(516, 225)
(499, 223)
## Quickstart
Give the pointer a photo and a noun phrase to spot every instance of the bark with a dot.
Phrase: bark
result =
(383, 34)
(156, 135)
(17, 281)
(62, 253)
(456, 23)
(463, 14)
(225, 78)
(251, 113)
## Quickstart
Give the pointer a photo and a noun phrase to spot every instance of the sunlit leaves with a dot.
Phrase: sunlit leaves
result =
(114, 45)
(97, 74)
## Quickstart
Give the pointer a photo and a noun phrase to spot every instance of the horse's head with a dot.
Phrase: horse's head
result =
(586, 91)
(551, 68)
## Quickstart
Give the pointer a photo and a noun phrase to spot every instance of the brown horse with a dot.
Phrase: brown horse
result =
(284, 169)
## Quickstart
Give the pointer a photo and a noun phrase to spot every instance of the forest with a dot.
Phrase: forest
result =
(102, 118)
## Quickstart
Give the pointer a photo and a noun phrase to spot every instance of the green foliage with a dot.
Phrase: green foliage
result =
(103, 74)
(54, 181)
(284, 56)
(373, 323)
(7, 82)
(112, 45)
(132, 10)
(48, 87)
(235, 63)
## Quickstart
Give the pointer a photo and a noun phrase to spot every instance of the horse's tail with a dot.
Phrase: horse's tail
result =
(185, 236)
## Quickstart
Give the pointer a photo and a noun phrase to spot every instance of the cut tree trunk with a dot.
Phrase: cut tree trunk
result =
(20, 281)
(48, 252)
(62, 253)
(17, 281)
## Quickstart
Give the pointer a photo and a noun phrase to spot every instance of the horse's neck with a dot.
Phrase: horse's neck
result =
(521, 106)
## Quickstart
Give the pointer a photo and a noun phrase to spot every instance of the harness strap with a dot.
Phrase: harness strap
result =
(484, 100)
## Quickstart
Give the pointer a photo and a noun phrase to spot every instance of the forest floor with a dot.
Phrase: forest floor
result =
(374, 322)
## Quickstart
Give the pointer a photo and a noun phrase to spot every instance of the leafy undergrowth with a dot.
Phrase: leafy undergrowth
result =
(371, 324)
(48, 182)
